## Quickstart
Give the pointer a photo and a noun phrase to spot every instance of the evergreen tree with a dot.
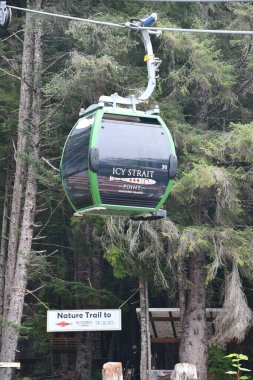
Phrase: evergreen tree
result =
(205, 96)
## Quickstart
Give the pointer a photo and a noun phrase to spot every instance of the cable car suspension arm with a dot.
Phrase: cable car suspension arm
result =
(5, 15)
(152, 64)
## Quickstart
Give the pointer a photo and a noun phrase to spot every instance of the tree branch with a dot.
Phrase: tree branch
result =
(51, 114)
(49, 164)
(12, 75)
(53, 63)
(14, 34)
(16, 72)
(240, 63)
(42, 303)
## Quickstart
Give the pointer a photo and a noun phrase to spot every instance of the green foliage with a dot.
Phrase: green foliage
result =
(96, 223)
(86, 78)
(238, 369)
(38, 265)
(230, 246)
(35, 324)
(114, 257)
(8, 96)
(193, 239)
(24, 331)
(96, 375)
(93, 298)
(200, 179)
(98, 41)
(197, 77)
(137, 247)
(209, 184)
(217, 363)
(234, 145)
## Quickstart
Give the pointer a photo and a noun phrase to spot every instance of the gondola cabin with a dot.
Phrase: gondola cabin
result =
(118, 162)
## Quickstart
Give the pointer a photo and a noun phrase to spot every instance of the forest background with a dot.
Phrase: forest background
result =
(201, 255)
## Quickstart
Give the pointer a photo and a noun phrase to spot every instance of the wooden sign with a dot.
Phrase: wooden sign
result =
(9, 365)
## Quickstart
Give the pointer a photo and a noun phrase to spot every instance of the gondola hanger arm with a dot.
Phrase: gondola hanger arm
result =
(5, 15)
(152, 64)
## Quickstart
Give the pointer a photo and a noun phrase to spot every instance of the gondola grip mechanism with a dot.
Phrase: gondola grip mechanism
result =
(152, 65)
(5, 15)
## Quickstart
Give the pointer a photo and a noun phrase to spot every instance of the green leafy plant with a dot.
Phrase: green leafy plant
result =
(217, 363)
(238, 369)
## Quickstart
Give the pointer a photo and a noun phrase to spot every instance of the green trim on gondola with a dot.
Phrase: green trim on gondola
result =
(93, 143)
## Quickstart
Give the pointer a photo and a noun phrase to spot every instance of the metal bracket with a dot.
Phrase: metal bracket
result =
(159, 214)
(5, 15)
(152, 65)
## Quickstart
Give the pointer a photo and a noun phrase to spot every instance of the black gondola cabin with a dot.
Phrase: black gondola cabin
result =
(118, 162)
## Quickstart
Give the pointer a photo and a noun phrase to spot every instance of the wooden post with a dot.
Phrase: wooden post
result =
(112, 371)
(184, 371)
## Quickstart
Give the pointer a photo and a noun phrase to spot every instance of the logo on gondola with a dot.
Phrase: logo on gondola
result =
(137, 181)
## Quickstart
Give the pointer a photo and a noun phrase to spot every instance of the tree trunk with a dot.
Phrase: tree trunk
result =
(149, 356)
(83, 274)
(145, 364)
(88, 271)
(84, 356)
(193, 345)
(21, 164)
(10, 334)
(4, 241)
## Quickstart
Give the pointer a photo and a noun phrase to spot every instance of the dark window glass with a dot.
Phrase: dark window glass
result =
(75, 164)
(134, 158)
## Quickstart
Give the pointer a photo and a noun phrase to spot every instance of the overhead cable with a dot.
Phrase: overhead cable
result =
(197, 1)
(128, 25)
(106, 23)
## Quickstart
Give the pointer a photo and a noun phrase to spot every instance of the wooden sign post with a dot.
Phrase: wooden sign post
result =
(112, 371)
(184, 371)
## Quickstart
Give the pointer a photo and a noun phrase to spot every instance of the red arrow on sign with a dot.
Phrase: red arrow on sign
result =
(63, 324)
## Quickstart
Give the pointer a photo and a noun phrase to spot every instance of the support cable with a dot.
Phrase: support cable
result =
(197, 1)
(155, 29)
(106, 23)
